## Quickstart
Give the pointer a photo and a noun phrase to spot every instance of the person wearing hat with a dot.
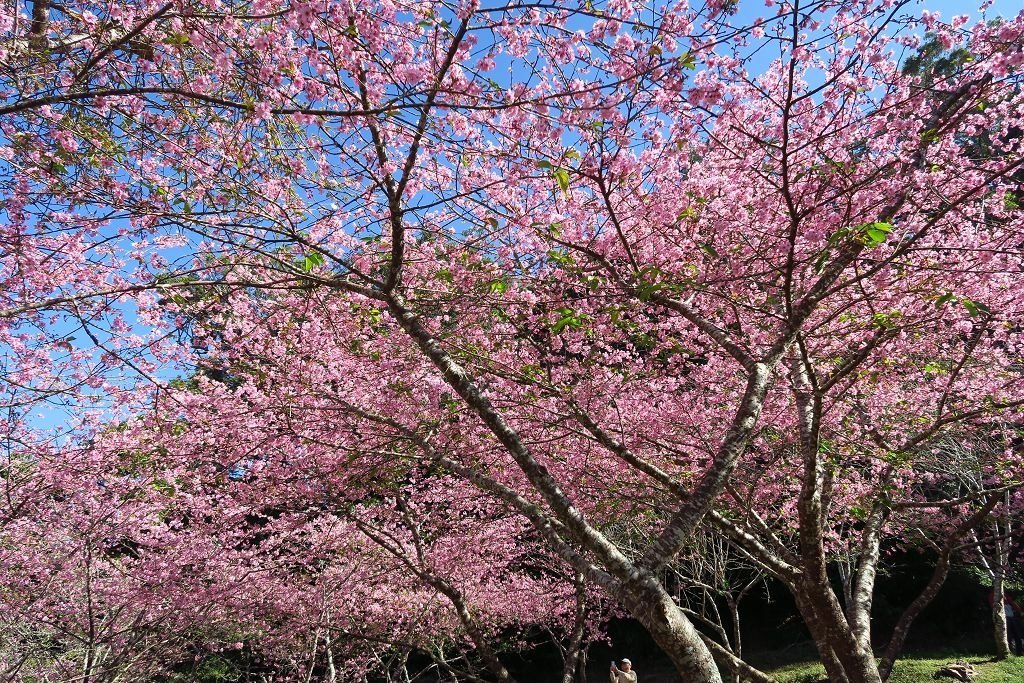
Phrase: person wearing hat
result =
(625, 674)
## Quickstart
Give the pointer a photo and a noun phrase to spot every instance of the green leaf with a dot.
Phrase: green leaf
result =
(165, 487)
(870, 234)
(687, 61)
(546, 165)
(312, 260)
(875, 233)
(709, 249)
(649, 283)
(562, 178)
(975, 308)
(885, 321)
(819, 264)
(178, 39)
(568, 318)
(944, 299)
(875, 237)
(559, 257)
(497, 286)
(838, 236)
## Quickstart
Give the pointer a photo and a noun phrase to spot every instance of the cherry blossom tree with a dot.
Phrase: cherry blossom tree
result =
(133, 565)
(668, 265)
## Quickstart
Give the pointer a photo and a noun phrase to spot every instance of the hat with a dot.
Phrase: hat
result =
(626, 661)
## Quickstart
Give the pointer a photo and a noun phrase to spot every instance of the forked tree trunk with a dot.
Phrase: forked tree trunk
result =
(833, 667)
(844, 659)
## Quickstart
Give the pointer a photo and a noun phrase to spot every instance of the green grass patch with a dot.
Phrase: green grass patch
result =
(916, 669)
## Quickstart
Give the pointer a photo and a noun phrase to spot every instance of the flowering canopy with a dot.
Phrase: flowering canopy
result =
(607, 265)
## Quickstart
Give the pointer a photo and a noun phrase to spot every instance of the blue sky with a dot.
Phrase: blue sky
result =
(748, 9)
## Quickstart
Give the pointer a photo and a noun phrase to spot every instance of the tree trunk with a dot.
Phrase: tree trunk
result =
(844, 660)
(654, 608)
(581, 675)
(332, 672)
(899, 632)
(844, 567)
(999, 613)
(571, 662)
(902, 627)
(862, 590)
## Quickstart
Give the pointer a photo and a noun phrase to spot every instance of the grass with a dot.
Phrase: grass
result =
(798, 663)
(915, 668)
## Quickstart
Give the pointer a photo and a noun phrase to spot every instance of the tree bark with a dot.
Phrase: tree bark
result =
(863, 587)
(581, 676)
(899, 632)
(332, 672)
(819, 604)
(845, 661)
(654, 608)
(998, 612)
(571, 662)
(40, 25)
